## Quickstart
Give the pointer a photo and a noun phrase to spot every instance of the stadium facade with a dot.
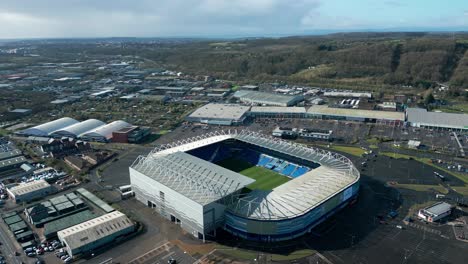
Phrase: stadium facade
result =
(184, 183)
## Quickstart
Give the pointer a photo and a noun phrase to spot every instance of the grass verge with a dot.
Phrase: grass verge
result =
(427, 161)
(422, 187)
(355, 151)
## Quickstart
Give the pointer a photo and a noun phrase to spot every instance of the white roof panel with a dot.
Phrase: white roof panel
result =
(105, 131)
(46, 128)
(79, 128)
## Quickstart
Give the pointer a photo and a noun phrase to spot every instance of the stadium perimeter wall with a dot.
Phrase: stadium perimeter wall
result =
(285, 229)
(199, 220)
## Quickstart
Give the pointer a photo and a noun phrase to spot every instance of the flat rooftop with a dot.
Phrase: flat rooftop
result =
(265, 97)
(278, 109)
(29, 187)
(220, 111)
(449, 120)
(357, 113)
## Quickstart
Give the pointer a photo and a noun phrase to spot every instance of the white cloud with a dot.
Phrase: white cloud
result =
(153, 18)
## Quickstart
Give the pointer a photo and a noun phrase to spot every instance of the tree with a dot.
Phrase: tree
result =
(428, 98)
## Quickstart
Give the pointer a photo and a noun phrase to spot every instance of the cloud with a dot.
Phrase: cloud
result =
(153, 18)
(89, 18)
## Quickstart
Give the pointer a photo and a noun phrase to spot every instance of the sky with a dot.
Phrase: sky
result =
(223, 18)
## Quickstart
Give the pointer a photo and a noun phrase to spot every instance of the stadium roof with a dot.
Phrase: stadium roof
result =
(291, 199)
(196, 179)
(355, 113)
(79, 128)
(49, 127)
(105, 131)
(422, 117)
(220, 111)
(278, 109)
(94, 229)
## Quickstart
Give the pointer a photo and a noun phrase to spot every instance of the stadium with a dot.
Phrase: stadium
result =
(251, 185)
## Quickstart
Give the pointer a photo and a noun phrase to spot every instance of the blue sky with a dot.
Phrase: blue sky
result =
(223, 18)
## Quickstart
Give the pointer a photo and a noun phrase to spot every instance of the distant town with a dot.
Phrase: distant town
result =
(121, 159)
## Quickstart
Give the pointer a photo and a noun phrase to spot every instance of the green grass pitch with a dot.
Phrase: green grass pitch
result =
(265, 179)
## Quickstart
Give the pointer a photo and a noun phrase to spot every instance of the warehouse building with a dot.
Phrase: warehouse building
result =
(88, 236)
(262, 98)
(348, 94)
(435, 212)
(29, 191)
(419, 117)
(11, 159)
(219, 114)
(277, 112)
(372, 116)
(310, 134)
(75, 130)
(45, 129)
(131, 134)
(104, 133)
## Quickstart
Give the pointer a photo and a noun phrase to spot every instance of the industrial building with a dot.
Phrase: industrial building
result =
(45, 129)
(104, 133)
(182, 182)
(419, 117)
(219, 114)
(372, 116)
(263, 98)
(277, 112)
(75, 130)
(310, 134)
(29, 191)
(131, 134)
(10, 158)
(88, 236)
(435, 212)
(348, 94)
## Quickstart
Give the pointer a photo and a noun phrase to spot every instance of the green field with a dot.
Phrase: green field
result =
(265, 179)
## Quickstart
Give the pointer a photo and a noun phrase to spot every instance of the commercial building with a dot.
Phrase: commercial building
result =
(435, 212)
(219, 114)
(182, 182)
(73, 131)
(372, 116)
(310, 134)
(45, 129)
(419, 117)
(19, 112)
(262, 98)
(88, 236)
(131, 134)
(348, 94)
(10, 158)
(277, 112)
(29, 191)
(104, 133)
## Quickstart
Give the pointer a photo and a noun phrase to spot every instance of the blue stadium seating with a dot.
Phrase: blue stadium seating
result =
(218, 152)
(299, 171)
(288, 169)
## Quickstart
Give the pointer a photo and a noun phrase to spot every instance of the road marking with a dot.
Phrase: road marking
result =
(144, 256)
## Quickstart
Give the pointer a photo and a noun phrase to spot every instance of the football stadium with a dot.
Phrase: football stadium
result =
(251, 185)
